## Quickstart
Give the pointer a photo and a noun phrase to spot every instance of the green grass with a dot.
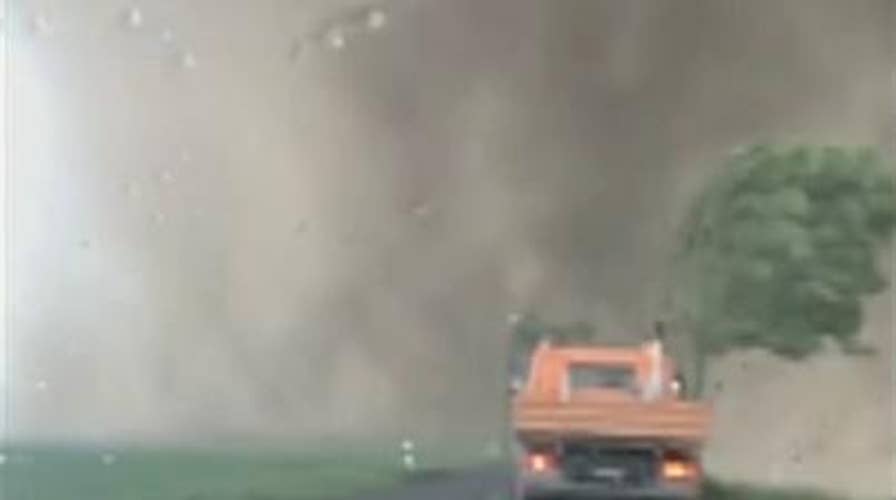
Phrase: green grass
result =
(314, 471)
(82, 474)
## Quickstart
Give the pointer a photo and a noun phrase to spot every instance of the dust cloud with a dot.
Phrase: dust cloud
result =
(275, 218)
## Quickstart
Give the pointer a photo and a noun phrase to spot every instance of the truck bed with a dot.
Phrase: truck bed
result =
(664, 420)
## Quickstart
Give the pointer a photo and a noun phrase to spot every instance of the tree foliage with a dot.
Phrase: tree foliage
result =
(782, 246)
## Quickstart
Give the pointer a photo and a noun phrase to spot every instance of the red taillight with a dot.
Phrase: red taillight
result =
(539, 462)
(679, 468)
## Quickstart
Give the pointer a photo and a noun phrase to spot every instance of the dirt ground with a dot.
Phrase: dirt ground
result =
(825, 423)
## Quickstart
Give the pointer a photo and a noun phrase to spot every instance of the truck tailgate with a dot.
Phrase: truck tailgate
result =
(673, 420)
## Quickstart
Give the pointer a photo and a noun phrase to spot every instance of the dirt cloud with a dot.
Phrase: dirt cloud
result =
(226, 224)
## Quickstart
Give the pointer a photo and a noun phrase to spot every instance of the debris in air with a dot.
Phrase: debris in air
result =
(109, 459)
(134, 18)
(334, 34)
(408, 456)
(167, 36)
(41, 385)
(2, 459)
(513, 319)
(376, 19)
(188, 60)
(336, 39)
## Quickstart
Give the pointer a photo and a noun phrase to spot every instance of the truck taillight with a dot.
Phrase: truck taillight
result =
(676, 467)
(539, 462)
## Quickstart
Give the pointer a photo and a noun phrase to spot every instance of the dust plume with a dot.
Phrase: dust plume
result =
(260, 219)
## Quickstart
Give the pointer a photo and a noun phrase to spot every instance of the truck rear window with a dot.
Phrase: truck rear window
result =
(601, 376)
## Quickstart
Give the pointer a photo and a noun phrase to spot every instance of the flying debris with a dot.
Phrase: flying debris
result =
(335, 39)
(134, 18)
(188, 60)
(376, 19)
(334, 34)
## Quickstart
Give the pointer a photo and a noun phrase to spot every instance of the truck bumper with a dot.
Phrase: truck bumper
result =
(535, 489)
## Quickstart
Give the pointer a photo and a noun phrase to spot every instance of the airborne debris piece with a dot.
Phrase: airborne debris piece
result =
(188, 60)
(335, 38)
(408, 456)
(376, 19)
(334, 33)
(134, 18)
(607, 421)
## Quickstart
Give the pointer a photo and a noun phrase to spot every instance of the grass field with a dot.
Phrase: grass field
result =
(338, 472)
(54, 473)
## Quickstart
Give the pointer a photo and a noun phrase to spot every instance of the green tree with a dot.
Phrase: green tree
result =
(781, 247)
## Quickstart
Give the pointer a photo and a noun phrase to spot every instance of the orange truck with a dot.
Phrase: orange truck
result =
(607, 422)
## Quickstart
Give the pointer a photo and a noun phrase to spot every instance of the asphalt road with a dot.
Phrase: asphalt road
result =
(489, 483)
